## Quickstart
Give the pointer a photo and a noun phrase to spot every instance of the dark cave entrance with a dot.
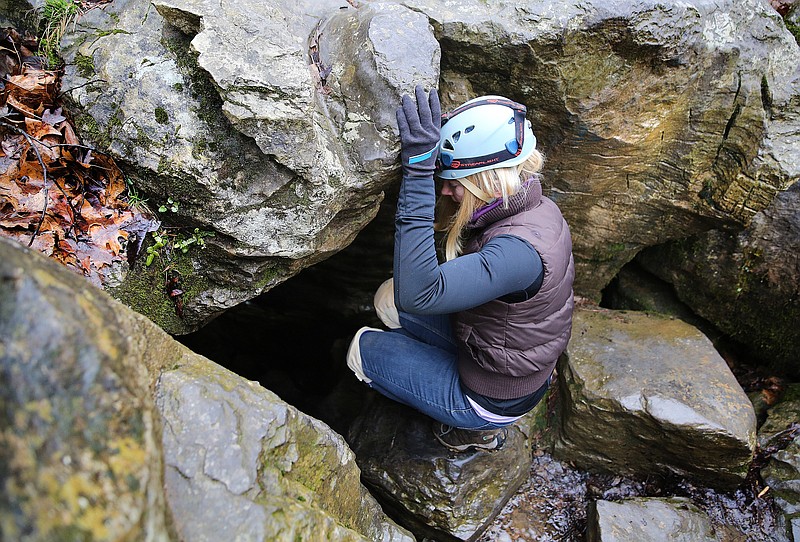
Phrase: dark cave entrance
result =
(293, 338)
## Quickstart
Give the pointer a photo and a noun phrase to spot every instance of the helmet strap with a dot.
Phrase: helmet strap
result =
(474, 190)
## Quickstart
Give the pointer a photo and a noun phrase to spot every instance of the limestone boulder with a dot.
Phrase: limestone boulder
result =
(80, 453)
(633, 520)
(270, 124)
(643, 394)
(436, 493)
(242, 464)
(659, 120)
(112, 430)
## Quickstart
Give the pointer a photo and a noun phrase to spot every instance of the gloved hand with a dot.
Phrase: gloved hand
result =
(419, 124)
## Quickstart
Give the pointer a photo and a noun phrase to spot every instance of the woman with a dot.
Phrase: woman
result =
(472, 342)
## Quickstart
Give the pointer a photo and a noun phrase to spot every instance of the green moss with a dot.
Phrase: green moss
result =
(706, 193)
(309, 477)
(72, 533)
(746, 276)
(177, 87)
(88, 127)
(201, 88)
(99, 135)
(199, 148)
(607, 253)
(91, 130)
(162, 117)
(85, 65)
(268, 278)
(795, 30)
(144, 291)
(112, 32)
(163, 165)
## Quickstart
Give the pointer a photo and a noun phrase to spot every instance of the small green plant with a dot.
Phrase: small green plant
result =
(133, 197)
(54, 18)
(166, 244)
(161, 241)
(196, 238)
(171, 205)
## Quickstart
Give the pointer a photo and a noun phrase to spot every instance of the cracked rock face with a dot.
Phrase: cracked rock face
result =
(272, 125)
(658, 120)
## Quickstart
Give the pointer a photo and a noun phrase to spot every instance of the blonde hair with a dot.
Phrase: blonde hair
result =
(503, 182)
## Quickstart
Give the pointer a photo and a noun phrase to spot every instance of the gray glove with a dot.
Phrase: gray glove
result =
(419, 123)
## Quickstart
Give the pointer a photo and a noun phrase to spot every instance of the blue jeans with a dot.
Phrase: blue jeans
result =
(416, 365)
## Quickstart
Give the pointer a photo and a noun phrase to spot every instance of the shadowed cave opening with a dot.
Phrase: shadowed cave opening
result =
(293, 338)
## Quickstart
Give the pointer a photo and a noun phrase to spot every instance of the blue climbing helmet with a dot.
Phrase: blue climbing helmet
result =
(484, 133)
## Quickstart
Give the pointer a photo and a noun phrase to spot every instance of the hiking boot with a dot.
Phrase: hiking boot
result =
(461, 440)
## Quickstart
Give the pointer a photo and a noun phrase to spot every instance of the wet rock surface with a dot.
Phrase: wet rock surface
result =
(779, 438)
(553, 504)
(438, 494)
(645, 394)
(782, 418)
(633, 520)
(782, 475)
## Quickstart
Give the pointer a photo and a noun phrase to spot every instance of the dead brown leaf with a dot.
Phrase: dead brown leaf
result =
(53, 117)
(55, 195)
(34, 88)
(70, 138)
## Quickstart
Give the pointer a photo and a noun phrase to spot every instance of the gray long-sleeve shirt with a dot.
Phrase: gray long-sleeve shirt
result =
(505, 264)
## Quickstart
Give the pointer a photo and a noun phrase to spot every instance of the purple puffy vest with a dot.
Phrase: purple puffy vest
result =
(508, 350)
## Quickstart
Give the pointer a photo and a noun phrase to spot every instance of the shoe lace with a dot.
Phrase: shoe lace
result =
(445, 429)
